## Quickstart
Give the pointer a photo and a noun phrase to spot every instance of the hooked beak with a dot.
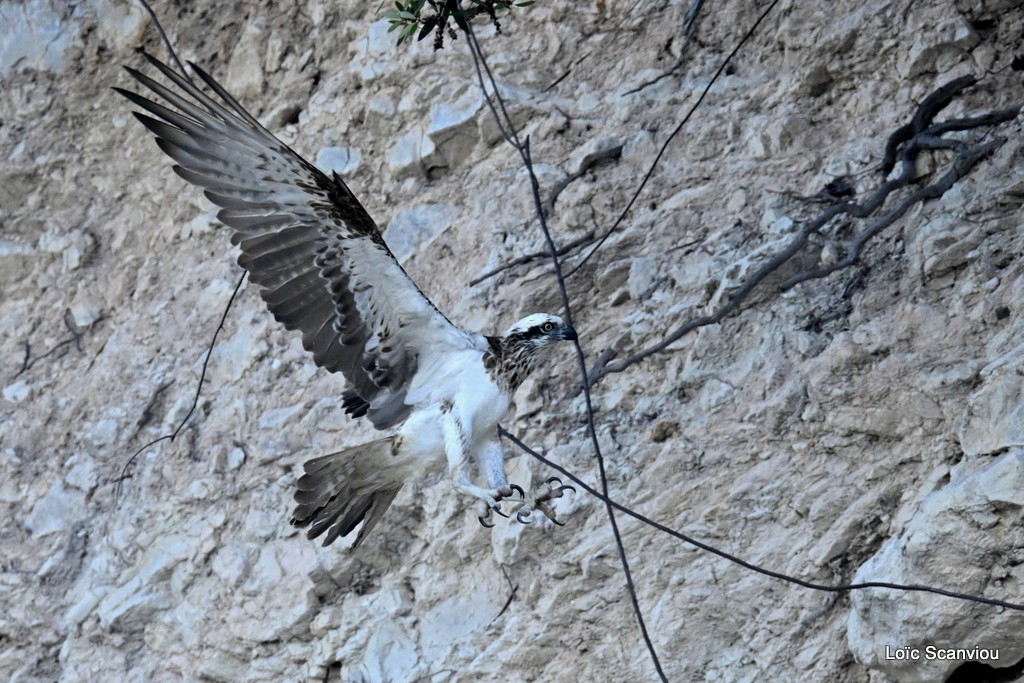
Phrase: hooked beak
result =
(567, 333)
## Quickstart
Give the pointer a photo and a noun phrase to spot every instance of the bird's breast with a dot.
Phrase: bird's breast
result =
(462, 385)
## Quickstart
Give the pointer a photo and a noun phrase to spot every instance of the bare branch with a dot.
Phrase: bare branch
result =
(965, 161)
(61, 347)
(926, 138)
(195, 401)
(926, 111)
(841, 588)
(523, 149)
(661, 152)
(513, 588)
(147, 412)
(588, 161)
(562, 251)
(689, 29)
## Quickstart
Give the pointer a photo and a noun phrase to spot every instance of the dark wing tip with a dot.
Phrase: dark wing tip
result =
(151, 59)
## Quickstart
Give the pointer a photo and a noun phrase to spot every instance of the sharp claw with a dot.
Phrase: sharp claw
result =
(485, 524)
(556, 521)
(551, 479)
(516, 487)
(566, 488)
(497, 508)
(519, 518)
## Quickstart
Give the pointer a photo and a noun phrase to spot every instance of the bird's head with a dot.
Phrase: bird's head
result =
(517, 352)
(539, 331)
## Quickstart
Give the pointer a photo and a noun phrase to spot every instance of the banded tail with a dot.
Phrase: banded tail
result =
(340, 490)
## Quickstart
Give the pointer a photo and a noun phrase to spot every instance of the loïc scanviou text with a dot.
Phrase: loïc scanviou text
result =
(931, 652)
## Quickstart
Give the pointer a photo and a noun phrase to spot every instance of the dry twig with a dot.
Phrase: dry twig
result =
(927, 137)
(61, 347)
(526, 258)
(689, 29)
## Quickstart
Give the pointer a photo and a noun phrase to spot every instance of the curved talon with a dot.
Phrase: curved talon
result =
(497, 508)
(567, 488)
(485, 524)
(551, 479)
(519, 518)
(557, 522)
(517, 487)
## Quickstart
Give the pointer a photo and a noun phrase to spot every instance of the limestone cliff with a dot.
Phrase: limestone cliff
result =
(864, 426)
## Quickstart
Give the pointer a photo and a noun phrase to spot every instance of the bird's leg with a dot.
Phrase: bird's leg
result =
(457, 440)
(490, 463)
(540, 499)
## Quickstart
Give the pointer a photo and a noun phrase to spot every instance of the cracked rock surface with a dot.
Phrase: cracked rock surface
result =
(867, 426)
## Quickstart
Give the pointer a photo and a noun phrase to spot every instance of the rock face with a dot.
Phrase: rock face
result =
(862, 427)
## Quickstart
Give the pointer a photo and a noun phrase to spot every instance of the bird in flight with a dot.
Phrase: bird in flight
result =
(323, 268)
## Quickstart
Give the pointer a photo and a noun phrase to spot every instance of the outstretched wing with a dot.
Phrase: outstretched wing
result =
(318, 258)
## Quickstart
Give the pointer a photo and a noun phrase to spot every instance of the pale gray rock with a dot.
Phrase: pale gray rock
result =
(412, 229)
(102, 432)
(37, 34)
(85, 312)
(871, 414)
(391, 654)
(944, 244)
(340, 160)
(276, 583)
(409, 154)
(452, 126)
(231, 562)
(379, 111)
(16, 261)
(154, 583)
(122, 25)
(55, 511)
(643, 274)
(979, 508)
(234, 355)
(72, 246)
(82, 473)
(374, 49)
(994, 418)
(246, 68)
(277, 418)
(235, 458)
(16, 392)
(938, 49)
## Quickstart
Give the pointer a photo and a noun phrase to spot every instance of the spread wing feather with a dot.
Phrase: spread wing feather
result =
(319, 260)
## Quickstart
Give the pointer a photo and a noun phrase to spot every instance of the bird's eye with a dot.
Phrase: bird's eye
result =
(547, 327)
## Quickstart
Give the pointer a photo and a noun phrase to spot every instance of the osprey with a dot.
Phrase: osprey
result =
(323, 268)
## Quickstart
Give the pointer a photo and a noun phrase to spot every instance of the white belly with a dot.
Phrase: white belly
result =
(473, 396)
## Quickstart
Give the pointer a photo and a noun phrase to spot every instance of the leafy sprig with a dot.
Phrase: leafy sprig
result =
(423, 17)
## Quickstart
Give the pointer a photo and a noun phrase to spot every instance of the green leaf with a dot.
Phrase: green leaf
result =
(428, 27)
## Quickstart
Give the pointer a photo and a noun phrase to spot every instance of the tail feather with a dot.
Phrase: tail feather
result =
(355, 405)
(340, 490)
